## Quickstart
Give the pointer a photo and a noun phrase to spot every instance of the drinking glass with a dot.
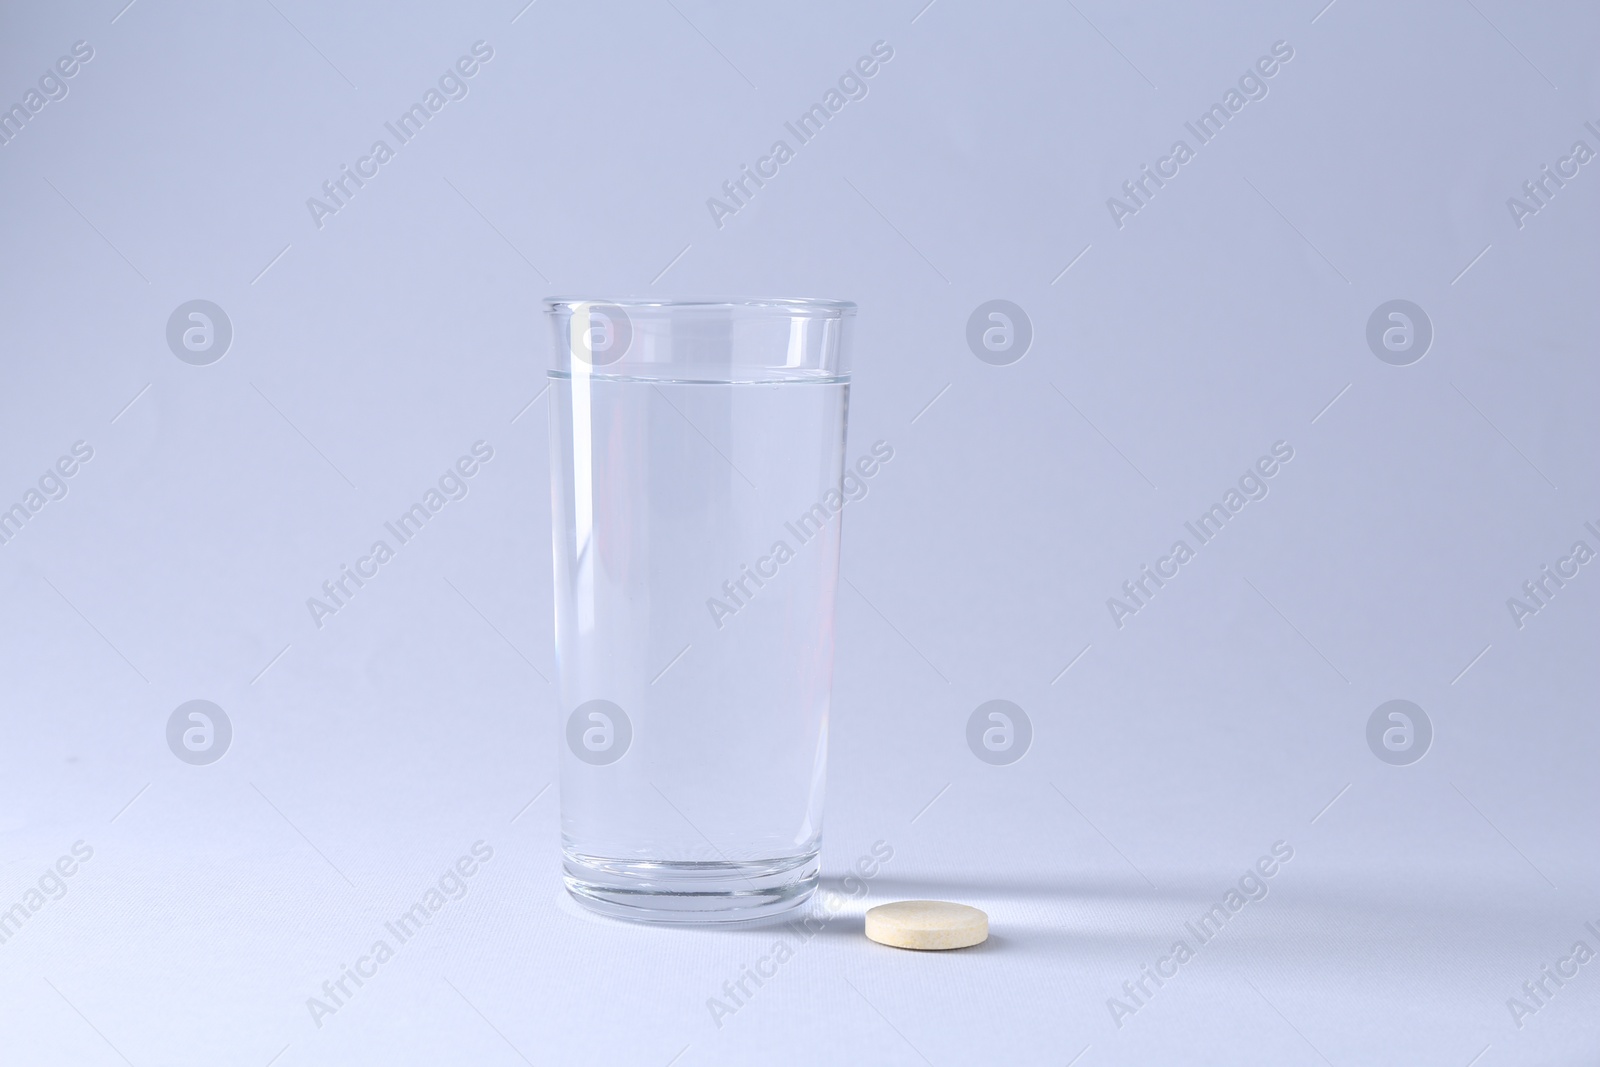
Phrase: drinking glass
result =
(697, 488)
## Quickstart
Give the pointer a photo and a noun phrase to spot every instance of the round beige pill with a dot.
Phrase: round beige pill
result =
(927, 924)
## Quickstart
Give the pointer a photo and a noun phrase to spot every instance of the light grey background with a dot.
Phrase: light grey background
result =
(1230, 713)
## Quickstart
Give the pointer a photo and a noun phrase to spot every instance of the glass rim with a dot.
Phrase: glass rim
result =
(793, 305)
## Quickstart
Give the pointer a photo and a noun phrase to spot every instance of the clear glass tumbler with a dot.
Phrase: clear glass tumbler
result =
(697, 483)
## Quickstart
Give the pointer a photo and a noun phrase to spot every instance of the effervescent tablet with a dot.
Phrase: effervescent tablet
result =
(927, 924)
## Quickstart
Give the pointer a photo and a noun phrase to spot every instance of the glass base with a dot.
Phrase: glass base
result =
(690, 892)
